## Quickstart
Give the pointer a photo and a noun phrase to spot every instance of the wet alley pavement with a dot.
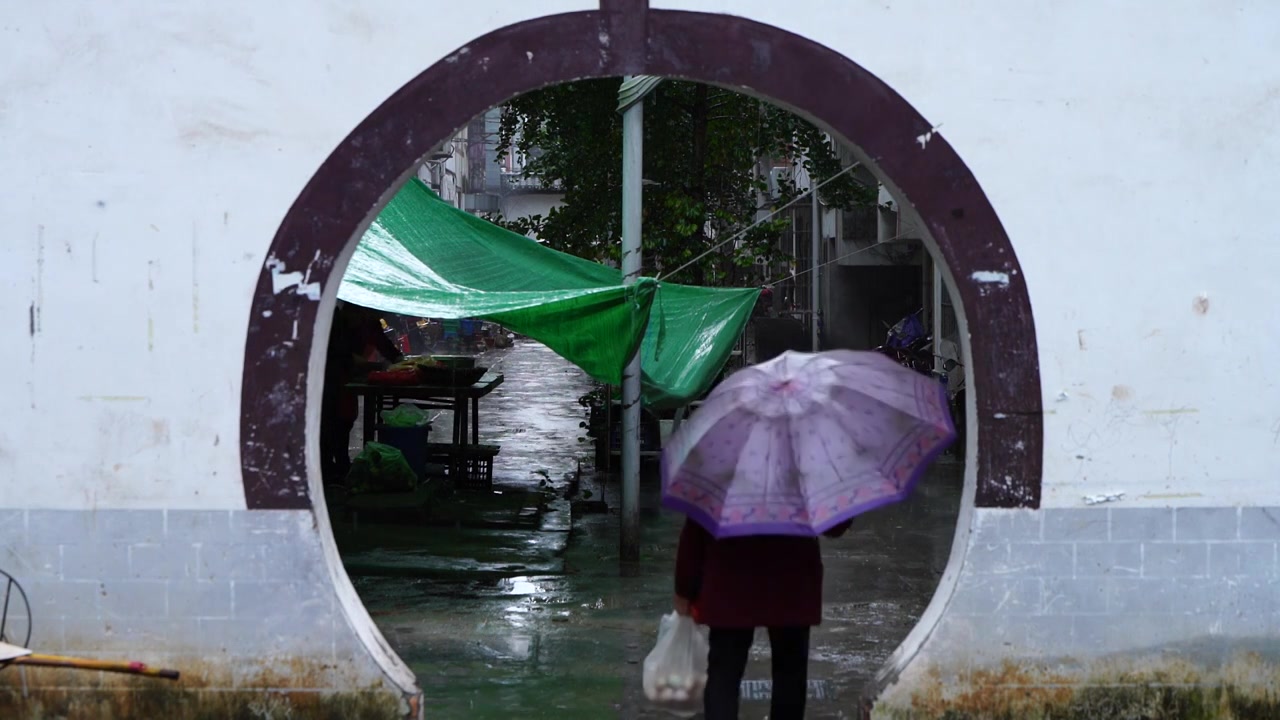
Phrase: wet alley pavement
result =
(533, 415)
(535, 619)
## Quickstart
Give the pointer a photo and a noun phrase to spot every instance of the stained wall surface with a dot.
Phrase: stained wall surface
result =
(1130, 158)
(152, 152)
(1128, 155)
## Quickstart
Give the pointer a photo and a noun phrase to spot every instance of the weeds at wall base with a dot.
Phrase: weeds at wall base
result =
(268, 692)
(1246, 688)
(105, 704)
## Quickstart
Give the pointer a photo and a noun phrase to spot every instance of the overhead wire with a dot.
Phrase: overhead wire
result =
(819, 266)
(759, 222)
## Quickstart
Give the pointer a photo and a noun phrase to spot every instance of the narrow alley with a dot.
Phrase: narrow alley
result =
(532, 618)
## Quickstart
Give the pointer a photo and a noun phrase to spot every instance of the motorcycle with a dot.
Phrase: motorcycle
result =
(907, 344)
(955, 400)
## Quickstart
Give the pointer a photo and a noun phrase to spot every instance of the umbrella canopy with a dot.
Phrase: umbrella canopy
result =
(803, 442)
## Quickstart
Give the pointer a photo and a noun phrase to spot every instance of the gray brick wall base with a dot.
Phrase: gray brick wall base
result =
(241, 602)
(1094, 612)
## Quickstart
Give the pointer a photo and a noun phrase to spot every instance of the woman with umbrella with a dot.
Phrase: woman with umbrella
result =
(780, 454)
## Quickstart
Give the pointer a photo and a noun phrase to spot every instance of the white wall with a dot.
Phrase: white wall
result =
(150, 152)
(525, 205)
(1131, 152)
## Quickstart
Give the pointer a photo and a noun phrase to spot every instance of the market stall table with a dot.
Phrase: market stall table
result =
(463, 400)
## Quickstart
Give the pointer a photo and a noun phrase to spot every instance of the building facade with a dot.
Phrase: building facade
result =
(1094, 181)
(500, 187)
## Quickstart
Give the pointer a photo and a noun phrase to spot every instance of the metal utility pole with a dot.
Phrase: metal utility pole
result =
(631, 105)
(936, 310)
(815, 260)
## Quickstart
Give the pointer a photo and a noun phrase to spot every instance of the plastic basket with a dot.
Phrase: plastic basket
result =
(473, 469)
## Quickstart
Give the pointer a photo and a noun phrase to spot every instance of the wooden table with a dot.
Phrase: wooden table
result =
(463, 400)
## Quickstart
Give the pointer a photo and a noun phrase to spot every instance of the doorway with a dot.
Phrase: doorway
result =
(285, 342)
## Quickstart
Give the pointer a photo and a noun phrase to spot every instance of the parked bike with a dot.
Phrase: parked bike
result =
(909, 345)
(955, 399)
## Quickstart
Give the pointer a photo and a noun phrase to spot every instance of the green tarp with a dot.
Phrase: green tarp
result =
(424, 258)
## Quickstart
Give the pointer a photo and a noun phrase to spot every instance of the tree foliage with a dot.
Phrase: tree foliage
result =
(704, 151)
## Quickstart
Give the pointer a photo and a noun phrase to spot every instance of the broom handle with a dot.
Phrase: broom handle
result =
(131, 668)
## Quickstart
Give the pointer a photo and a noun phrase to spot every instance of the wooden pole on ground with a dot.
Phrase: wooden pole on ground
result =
(116, 666)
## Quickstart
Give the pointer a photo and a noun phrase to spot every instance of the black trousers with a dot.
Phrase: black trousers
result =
(727, 661)
(335, 439)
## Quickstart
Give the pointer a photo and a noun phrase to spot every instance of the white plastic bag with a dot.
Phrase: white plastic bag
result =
(675, 671)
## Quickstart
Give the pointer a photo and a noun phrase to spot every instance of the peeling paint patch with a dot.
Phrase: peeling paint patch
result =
(282, 280)
(462, 52)
(925, 138)
(1100, 498)
(991, 277)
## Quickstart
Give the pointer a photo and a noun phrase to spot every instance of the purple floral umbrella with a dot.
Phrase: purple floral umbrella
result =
(803, 442)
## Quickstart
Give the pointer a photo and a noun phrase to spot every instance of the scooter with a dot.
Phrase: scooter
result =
(955, 399)
(907, 344)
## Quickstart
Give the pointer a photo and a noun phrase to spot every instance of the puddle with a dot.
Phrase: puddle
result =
(529, 623)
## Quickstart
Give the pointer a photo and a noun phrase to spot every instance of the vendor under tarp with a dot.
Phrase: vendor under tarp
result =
(425, 258)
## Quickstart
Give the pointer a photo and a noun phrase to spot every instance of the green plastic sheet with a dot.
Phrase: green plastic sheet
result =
(425, 258)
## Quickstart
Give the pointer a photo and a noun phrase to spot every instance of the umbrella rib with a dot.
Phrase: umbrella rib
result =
(766, 496)
(830, 458)
(895, 410)
(825, 449)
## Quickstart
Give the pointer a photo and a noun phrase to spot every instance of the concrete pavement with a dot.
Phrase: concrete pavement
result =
(539, 622)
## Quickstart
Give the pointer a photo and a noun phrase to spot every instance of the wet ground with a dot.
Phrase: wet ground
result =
(534, 619)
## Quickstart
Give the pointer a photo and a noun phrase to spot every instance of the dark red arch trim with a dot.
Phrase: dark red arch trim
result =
(627, 38)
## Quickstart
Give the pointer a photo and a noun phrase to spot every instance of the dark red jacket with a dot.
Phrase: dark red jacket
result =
(354, 333)
(754, 581)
